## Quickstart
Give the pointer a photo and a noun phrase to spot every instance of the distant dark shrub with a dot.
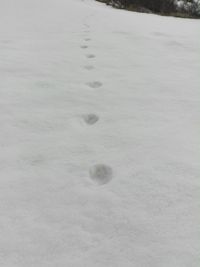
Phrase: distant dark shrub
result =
(190, 8)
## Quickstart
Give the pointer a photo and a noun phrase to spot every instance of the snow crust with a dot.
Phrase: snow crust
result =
(99, 140)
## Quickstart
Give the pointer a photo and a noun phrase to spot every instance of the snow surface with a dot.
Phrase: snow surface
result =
(99, 115)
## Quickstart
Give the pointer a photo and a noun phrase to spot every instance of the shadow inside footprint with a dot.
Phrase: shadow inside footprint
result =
(89, 67)
(95, 84)
(101, 174)
(87, 39)
(84, 46)
(90, 56)
(90, 119)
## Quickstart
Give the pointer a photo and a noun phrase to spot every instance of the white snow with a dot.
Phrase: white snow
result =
(99, 116)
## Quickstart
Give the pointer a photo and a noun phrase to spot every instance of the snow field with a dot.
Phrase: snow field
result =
(99, 115)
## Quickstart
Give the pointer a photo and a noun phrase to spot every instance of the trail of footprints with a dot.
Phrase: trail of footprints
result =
(100, 174)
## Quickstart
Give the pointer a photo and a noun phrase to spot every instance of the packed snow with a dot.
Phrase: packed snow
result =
(100, 148)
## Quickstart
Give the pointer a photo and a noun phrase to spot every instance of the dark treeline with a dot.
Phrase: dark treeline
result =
(183, 8)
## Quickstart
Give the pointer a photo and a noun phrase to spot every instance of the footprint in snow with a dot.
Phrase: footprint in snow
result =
(6, 41)
(89, 67)
(90, 56)
(95, 84)
(101, 174)
(90, 119)
(84, 46)
(87, 39)
(160, 34)
(86, 25)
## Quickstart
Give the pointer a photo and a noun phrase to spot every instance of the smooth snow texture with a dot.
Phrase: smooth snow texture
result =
(139, 75)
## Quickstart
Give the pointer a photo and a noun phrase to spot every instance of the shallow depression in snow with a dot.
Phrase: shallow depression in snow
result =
(95, 84)
(89, 67)
(101, 174)
(91, 118)
(90, 56)
(84, 46)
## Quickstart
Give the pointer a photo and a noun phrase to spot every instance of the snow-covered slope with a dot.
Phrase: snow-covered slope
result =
(99, 116)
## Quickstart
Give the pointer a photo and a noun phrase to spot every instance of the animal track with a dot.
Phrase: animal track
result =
(95, 84)
(89, 67)
(90, 56)
(84, 46)
(101, 174)
(91, 118)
